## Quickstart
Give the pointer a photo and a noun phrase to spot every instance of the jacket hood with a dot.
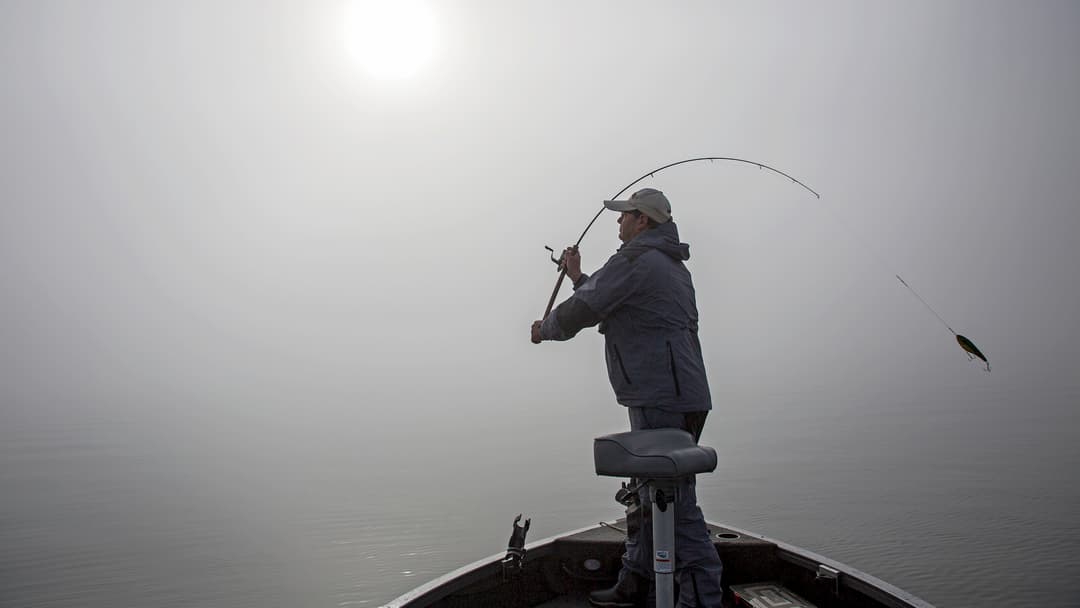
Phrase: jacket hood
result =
(664, 237)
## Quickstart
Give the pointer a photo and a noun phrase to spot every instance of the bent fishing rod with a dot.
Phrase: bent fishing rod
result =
(559, 261)
(969, 347)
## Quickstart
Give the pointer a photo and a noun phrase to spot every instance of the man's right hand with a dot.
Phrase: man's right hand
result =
(572, 263)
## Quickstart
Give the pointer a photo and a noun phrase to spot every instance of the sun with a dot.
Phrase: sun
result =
(390, 39)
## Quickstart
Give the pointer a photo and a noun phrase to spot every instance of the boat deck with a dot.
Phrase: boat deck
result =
(607, 540)
(559, 572)
(567, 601)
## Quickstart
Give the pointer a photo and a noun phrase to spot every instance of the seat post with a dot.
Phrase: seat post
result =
(663, 457)
(663, 495)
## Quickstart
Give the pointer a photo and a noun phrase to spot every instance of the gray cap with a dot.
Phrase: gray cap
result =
(649, 201)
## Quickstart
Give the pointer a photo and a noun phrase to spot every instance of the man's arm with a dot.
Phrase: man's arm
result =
(571, 263)
(567, 320)
(594, 299)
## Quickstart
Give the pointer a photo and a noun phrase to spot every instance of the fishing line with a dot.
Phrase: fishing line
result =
(964, 342)
(928, 307)
(855, 234)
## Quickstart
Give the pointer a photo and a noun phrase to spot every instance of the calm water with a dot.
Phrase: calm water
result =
(969, 500)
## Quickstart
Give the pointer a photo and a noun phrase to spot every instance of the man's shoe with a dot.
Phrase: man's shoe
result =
(629, 592)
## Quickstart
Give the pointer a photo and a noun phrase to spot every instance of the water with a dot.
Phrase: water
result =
(964, 501)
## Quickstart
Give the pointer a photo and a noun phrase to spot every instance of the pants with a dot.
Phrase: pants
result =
(697, 566)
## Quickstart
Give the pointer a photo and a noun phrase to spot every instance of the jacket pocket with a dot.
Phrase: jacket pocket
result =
(618, 359)
(674, 369)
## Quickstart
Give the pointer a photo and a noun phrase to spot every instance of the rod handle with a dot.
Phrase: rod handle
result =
(554, 294)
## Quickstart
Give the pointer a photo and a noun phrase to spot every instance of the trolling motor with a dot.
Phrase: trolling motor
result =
(514, 562)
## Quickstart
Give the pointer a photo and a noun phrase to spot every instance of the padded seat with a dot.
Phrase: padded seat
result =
(652, 454)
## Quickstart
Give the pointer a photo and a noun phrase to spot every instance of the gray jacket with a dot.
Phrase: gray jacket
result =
(644, 301)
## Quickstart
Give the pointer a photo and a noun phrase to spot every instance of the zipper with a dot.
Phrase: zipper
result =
(674, 371)
(618, 358)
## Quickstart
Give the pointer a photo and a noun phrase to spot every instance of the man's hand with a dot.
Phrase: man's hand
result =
(572, 263)
(536, 339)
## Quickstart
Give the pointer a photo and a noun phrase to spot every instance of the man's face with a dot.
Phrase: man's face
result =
(631, 224)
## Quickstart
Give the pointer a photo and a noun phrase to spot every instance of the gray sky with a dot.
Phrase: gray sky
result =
(213, 201)
(245, 281)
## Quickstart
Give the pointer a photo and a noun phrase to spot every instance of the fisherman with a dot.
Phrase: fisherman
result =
(643, 299)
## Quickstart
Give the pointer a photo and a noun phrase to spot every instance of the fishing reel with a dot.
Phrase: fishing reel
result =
(558, 261)
(561, 260)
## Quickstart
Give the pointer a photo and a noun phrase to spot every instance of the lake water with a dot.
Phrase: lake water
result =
(190, 501)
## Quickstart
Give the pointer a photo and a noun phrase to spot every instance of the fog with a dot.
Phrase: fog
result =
(241, 257)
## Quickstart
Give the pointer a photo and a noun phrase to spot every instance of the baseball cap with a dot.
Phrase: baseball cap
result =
(649, 201)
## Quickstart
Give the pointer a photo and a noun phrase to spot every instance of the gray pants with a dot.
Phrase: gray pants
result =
(697, 566)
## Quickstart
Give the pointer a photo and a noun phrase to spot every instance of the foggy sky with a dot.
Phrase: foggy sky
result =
(257, 276)
(215, 196)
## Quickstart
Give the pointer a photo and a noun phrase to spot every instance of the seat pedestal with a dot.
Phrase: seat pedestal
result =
(663, 495)
(661, 457)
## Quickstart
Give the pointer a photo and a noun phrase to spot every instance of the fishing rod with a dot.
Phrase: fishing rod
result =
(559, 261)
(965, 343)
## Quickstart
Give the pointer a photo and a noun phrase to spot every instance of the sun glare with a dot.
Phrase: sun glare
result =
(390, 38)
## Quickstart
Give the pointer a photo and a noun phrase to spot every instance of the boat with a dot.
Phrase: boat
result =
(559, 572)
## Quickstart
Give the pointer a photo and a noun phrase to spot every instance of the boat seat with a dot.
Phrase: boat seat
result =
(652, 454)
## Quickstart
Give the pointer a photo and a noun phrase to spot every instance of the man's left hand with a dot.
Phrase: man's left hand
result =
(536, 339)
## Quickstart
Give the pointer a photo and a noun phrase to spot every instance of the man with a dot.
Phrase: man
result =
(643, 299)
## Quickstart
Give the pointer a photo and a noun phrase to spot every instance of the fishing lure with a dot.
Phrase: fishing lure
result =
(964, 342)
